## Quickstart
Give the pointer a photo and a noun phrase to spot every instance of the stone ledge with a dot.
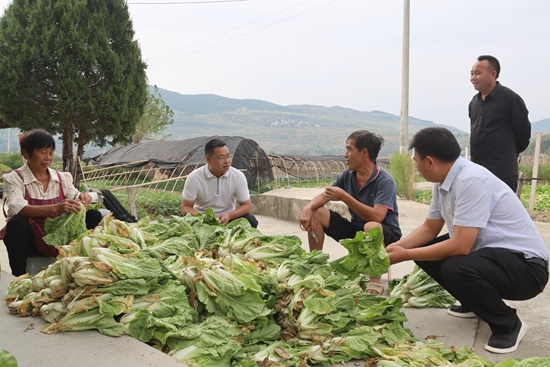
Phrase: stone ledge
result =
(288, 208)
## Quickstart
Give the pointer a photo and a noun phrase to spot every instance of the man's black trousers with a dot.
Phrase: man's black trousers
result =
(482, 279)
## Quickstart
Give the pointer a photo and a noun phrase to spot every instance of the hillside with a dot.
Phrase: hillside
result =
(542, 126)
(295, 129)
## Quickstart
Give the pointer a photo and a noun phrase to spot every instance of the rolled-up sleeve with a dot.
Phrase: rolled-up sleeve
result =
(14, 193)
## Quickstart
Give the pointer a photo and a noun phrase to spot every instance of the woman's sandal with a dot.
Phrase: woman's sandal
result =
(375, 288)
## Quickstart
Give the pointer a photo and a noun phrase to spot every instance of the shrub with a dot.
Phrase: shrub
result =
(544, 171)
(424, 196)
(152, 203)
(404, 172)
(13, 160)
(4, 168)
(542, 197)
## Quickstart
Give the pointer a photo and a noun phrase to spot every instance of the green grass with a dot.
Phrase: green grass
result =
(404, 172)
(152, 203)
(324, 182)
(423, 196)
(542, 197)
(544, 171)
(148, 202)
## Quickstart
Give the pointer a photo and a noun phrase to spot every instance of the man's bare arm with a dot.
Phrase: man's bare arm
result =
(187, 207)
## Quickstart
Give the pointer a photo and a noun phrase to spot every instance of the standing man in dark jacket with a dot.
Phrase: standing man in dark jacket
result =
(500, 128)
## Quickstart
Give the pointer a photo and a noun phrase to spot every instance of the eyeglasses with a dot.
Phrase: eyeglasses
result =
(223, 158)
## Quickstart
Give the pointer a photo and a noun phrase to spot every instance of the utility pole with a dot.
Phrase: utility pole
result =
(9, 140)
(404, 131)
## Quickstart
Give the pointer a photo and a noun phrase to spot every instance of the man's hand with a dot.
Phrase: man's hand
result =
(306, 218)
(333, 193)
(187, 207)
(396, 253)
(224, 218)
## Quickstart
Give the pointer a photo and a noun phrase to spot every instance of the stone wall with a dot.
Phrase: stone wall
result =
(287, 208)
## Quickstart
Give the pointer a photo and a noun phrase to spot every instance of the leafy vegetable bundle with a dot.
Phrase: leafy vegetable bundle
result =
(366, 255)
(418, 289)
(211, 295)
(66, 227)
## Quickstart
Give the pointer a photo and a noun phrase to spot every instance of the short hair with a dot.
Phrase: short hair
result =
(436, 142)
(492, 61)
(213, 144)
(365, 139)
(35, 139)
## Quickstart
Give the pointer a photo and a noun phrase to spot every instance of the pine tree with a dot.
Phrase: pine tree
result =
(72, 67)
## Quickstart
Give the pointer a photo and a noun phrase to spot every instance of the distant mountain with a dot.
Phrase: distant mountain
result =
(295, 129)
(542, 126)
(201, 104)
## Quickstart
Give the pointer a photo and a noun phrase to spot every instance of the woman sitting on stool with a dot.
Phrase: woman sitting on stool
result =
(33, 193)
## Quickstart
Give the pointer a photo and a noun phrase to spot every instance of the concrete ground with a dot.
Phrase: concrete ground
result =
(277, 212)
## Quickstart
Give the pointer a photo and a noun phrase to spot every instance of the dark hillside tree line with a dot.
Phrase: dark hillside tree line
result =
(73, 68)
(544, 146)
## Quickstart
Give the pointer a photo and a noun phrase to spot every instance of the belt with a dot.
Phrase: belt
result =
(538, 261)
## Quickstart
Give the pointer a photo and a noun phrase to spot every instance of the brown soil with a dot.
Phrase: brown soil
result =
(541, 217)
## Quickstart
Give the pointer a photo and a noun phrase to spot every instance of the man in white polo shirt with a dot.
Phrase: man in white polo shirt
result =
(219, 186)
(493, 250)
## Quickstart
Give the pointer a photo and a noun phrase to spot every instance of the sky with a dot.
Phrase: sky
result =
(346, 53)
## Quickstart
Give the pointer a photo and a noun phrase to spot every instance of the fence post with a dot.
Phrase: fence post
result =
(520, 185)
(259, 178)
(535, 173)
(130, 192)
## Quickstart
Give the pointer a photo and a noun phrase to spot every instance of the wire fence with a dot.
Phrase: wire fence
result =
(284, 171)
(146, 175)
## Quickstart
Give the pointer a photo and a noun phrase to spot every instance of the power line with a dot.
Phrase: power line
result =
(244, 34)
(231, 30)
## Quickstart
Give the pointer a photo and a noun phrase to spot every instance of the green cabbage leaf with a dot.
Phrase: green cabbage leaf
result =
(63, 229)
(366, 255)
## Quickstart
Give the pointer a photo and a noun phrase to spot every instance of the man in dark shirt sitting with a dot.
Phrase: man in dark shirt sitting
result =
(500, 128)
(369, 192)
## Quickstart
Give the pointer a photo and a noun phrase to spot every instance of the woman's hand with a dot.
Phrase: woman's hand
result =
(86, 199)
(69, 206)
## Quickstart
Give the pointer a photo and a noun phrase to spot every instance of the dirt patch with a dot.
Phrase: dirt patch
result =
(541, 217)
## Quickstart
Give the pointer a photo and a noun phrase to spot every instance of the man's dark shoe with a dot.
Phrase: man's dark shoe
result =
(459, 311)
(509, 342)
